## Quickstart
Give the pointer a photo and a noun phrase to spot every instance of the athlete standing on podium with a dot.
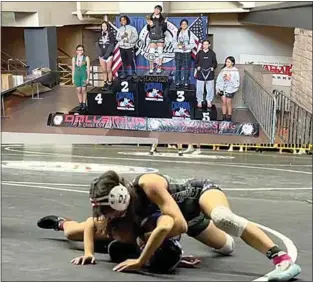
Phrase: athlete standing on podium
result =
(106, 44)
(156, 27)
(127, 37)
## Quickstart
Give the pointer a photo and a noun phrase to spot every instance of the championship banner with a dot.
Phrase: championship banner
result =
(236, 128)
(154, 124)
(129, 123)
(197, 27)
(183, 125)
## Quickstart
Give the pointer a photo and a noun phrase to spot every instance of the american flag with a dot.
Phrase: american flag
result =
(117, 60)
(197, 28)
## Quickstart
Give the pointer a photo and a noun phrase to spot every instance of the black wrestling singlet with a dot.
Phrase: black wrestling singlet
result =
(185, 192)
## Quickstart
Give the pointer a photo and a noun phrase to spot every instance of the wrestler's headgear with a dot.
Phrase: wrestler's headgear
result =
(167, 257)
(164, 260)
(118, 198)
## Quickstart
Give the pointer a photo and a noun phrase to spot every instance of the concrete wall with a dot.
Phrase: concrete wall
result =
(301, 84)
(13, 40)
(251, 40)
(69, 37)
(49, 13)
(169, 7)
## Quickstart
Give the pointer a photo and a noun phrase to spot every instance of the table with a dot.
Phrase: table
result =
(29, 79)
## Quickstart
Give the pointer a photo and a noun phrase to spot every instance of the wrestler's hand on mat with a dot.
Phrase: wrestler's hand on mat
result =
(130, 264)
(86, 259)
(189, 261)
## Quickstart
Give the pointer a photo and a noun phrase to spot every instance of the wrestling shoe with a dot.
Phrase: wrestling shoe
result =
(51, 222)
(159, 70)
(285, 268)
(123, 76)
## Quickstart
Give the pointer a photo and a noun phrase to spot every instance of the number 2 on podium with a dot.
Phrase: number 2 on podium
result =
(125, 88)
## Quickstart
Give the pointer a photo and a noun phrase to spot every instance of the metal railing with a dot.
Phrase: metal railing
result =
(13, 65)
(282, 119)
(64, 67)
(294, 123)
(261, 103)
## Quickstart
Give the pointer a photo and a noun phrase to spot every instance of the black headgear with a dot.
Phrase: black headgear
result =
(167, 257)
(164, 260)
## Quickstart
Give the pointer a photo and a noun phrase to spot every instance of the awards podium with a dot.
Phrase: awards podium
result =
(150, 102)
(149, 96)
(120, 100)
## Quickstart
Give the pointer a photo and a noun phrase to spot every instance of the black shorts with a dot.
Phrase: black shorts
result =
(198, 224)
(128, 56)
(227, 95)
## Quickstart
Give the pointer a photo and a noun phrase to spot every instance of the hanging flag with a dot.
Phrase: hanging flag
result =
(198, 29)
(117, 60)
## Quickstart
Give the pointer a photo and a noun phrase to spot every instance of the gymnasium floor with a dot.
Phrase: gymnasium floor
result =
(270, 189)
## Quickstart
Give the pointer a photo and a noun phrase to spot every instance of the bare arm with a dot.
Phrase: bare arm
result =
(89, 237)
(164, 226)
(73, 69)
(171, 223)
(88, 256)
(88, 68)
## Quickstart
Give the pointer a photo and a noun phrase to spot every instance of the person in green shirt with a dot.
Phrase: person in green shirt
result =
(80, 75)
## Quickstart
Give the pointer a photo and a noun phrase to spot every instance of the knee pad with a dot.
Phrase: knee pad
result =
(151, 55)
(229, 246)
(226, 220)
(167, 257)
(151, 50)
(120, 251)
(160, 52)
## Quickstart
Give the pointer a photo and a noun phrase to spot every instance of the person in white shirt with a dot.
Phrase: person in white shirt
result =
(183, 44)
(127, 37)
(227, 84)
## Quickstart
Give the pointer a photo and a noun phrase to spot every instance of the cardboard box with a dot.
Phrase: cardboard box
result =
(18, 80)
(6, 81)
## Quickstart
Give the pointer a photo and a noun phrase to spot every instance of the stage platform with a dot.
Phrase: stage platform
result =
(30, 116)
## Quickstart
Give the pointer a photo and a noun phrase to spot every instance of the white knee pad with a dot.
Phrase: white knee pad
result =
(229, 246)
(151, 56)
(160, 52)
(226, 220)
(151, 50)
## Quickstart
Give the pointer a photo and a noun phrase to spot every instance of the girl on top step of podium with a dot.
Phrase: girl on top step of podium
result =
(156, 26)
